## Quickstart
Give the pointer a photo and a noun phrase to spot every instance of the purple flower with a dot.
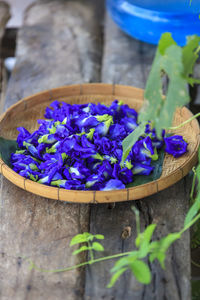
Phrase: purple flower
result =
(113, 184)
(175, 145)
(143, 150)
(125, 175)
(23, 135)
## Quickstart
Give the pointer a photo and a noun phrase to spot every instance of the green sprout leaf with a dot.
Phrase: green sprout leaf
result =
(143, 240)
(115, 277)
(141, 271)
(99, 236)
(81, 238)
(97, 246)
(81, 249)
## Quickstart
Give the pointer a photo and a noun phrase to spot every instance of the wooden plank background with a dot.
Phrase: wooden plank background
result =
(65, 42)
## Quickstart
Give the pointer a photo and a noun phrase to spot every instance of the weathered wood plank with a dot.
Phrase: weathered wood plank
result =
(61, 40)
(127, 61)
(57, 45)
(4, 17)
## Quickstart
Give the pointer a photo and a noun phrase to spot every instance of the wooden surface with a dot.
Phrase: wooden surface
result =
(62, 42)
(27, 111)
(4, 17)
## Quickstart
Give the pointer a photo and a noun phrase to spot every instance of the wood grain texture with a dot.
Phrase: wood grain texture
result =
(48, 55)
(59, 44)
(27, 111)
(4, 17)
(167, 209)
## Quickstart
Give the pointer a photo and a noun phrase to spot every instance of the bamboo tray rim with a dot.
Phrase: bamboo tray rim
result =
(132, 193)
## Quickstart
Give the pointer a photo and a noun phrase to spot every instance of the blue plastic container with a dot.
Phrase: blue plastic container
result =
(146, 20)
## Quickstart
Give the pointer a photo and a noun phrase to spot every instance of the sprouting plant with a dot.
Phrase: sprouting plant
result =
(175, 64)
(145, 248)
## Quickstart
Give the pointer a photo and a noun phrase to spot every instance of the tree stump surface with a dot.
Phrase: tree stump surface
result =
(64, 42)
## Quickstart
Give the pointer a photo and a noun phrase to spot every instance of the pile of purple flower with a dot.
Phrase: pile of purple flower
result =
(79, 147)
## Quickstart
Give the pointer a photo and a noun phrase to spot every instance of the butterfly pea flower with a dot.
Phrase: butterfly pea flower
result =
(94, 178)
(104, 145)
(129, 124)
(118, 153)
(143, 149)
(23, 134)
(59, 183)
(98, 109)
(47, 139)
(116, 105)
(86, 143)
(175, 145)
(157, 143)
(141, 169)
(61, 132)
(97, 156)
(105, 169)
(47, 177)
(111, 159)
(32, 149)
(86, 120)
(128, 112)
(79, 171)
(117, 132)
(90, 134)
(113, 184)
(103, 127)
(125, 175)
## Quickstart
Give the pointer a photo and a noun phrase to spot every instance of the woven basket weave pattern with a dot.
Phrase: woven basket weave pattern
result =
(27, 111)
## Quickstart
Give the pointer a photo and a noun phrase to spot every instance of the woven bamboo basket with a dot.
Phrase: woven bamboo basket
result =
(27, 111)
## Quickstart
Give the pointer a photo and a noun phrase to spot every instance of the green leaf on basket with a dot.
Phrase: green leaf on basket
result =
(142, 179)
(6, 148)
(130, 140)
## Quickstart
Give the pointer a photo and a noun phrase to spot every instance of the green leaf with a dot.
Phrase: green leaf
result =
(159, 248)
(160, 256)
(169, 61)
(130, 140)
(81, 238)
(193, 210)
(115, 277)
(125, 261)
(169, 239)
(190, 55)
(142, 179)
(81, 249)
(6, 148)
(99, 236)
(141, 271)
(143, 240)
(97, 246)
(167, 41)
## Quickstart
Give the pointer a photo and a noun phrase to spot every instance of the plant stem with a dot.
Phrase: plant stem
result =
(184, 123)
(193, 185)
(195, 264)
(197, 50)
(190, 224)
(91, 253)
(80, 265)
(137, 219)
